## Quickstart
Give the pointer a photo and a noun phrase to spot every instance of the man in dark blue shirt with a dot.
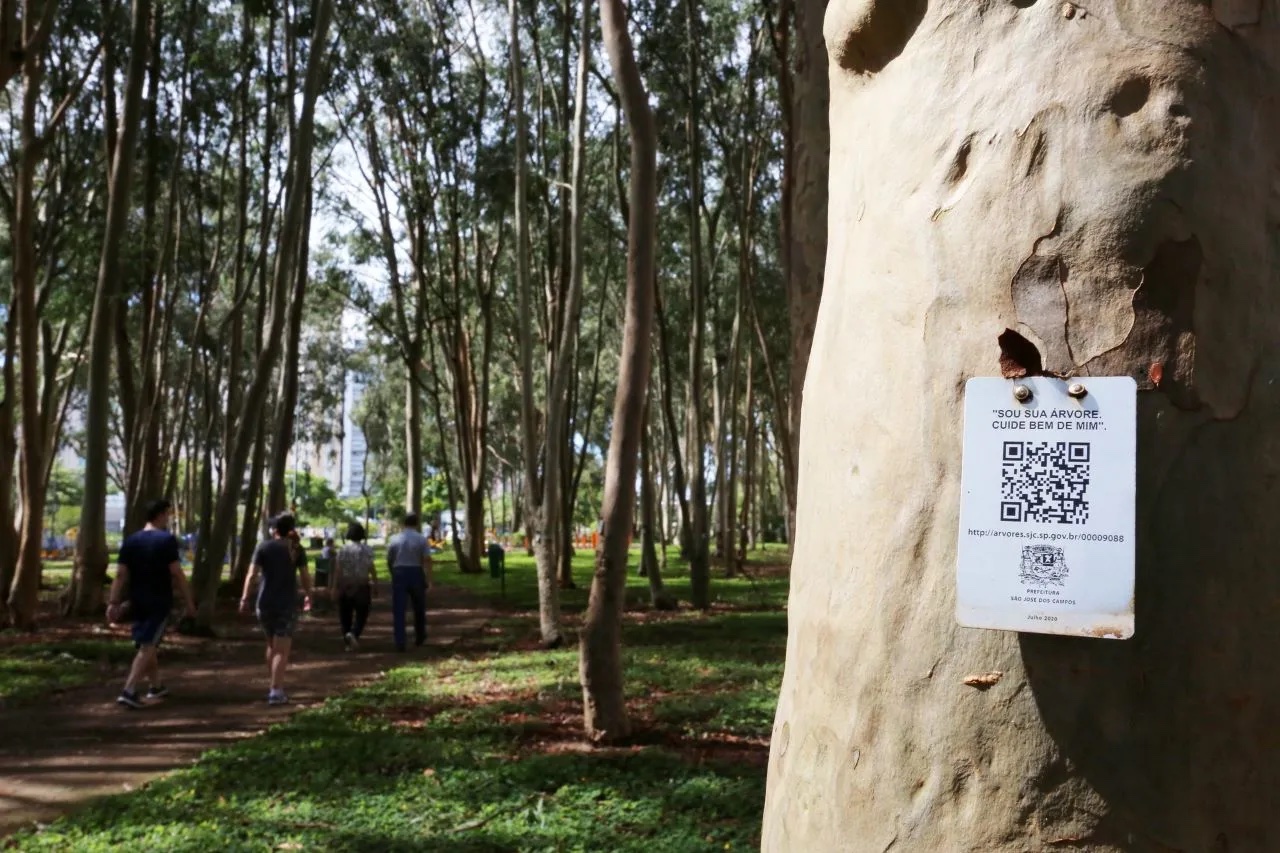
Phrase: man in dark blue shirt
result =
(278, 562)
(148, 564)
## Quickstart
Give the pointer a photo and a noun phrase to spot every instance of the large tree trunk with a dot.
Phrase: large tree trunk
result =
(1103, 182)
(85, 595)
(600, 662)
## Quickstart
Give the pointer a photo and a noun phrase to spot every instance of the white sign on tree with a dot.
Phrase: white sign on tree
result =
(1047, 506)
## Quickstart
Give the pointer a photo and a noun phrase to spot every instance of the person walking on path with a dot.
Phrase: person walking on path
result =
(409, 559)
(353, 580)
(276, 561)
(149, 565)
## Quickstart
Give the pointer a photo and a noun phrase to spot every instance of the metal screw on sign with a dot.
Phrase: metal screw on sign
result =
(1077, 390)
(1021, 393)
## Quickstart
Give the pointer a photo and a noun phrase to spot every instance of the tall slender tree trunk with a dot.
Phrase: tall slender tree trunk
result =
(658, 596)
(557, 519)
(747, 524)
(413, 437)
(85, 595)
(32, 467)
(282, 443)
(600, 661)
(8, 458)
(806, 249)
(291, 235)
(699, 544)
(543, 538)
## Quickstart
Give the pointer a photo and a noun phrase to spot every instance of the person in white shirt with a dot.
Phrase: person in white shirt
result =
(353, 582)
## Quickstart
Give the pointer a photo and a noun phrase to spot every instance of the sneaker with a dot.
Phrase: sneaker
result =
(157, 691)
(129, 699)
(277, 697)
(352, 643)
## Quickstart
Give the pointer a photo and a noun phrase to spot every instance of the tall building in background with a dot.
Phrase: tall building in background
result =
(354, 448)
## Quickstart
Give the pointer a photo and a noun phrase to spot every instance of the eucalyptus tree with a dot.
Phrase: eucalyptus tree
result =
(291, 236)
(91, 556)
(52, 90)
(600, 664)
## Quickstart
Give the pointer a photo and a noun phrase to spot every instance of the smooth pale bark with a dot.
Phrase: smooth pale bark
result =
(91, 555)
(1105, 183)
(600, 661)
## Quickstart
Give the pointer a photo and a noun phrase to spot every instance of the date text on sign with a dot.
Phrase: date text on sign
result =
(1047, 507)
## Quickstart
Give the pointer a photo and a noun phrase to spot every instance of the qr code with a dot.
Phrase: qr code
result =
(1045, 482)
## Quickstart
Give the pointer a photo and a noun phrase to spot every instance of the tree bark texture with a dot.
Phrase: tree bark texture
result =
(1104, 182)
(601, 652)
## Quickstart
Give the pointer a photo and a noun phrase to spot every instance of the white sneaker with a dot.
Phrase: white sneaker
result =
(353, 643)
(277, 697)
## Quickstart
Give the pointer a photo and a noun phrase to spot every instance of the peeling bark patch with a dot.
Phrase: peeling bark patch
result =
(863, 36)
(1018, 356)
(1040, 302)
(984, 681)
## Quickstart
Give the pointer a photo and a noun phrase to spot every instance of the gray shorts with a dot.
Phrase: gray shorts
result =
(278, 623)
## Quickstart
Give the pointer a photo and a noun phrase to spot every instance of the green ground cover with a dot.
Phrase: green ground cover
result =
(483, 751)
(30, 670)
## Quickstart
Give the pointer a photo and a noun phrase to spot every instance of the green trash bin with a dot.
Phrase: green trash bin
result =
(323, 565)
(497, 561)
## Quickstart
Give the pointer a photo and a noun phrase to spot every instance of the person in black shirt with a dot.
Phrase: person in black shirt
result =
(148, 564)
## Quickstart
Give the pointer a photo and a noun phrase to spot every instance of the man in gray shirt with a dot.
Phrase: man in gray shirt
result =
(409, 559)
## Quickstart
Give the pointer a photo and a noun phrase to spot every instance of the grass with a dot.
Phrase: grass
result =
(753, 589)
(34, 669)
(483, 751)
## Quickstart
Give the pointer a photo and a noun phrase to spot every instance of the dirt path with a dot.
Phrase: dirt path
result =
(58, 755)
